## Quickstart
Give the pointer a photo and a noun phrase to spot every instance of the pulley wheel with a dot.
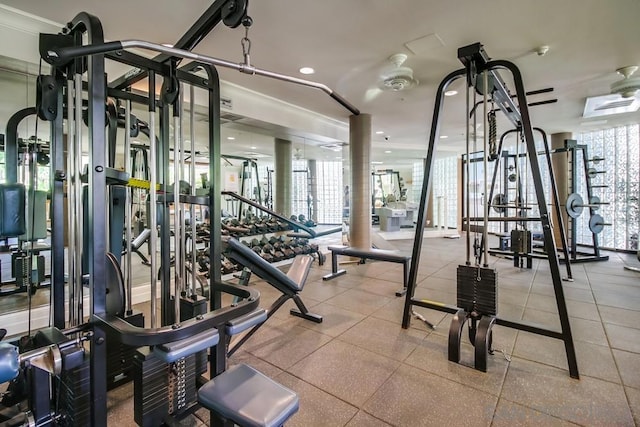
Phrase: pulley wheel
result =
(595, 201)
(233, 12)
(498, 203)
(115, 298)
(596, 224)
(574, 205)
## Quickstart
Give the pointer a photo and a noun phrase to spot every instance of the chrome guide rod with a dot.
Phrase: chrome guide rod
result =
(127, 206)
(192, 170)
(77, 188)
(71, 223)
(485, 164)
(153, 220)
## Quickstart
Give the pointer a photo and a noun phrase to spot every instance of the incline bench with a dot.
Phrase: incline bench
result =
(374, 254)
(290, 284)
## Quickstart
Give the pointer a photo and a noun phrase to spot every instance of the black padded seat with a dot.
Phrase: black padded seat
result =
(248, 398)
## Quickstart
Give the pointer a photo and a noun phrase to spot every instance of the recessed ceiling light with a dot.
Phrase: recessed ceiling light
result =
(444, 136)
(253, 148)
(451, 93)
(307, 70)
(380, 132)
(387, 152)
(231, 138)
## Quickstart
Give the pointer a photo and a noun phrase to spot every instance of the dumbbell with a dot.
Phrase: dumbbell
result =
(575, 204)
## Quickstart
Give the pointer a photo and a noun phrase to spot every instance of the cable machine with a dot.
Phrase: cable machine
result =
(476, 282)
(68, 383)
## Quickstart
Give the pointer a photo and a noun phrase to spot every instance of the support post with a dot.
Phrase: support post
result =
(284, 176)
(360, 158)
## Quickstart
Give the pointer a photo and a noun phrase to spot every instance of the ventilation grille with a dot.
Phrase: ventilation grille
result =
(607, 105)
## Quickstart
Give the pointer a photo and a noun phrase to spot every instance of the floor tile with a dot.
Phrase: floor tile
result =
(393, 312)
(383, 337)
(623, 338)
(319, 408)
(335, 320)
(509, 414)
(345, 371)
(359, 301)
(247, 358)
(432, 356)
(284, 345)
(593, 360)
(629, 367)
(620, 316)
(322, 290)
(587, 401)
(362, 419)
(412, 397)
(380, 287)
(634, 403)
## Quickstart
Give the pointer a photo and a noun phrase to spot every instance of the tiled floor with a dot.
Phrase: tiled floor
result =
(360, 368)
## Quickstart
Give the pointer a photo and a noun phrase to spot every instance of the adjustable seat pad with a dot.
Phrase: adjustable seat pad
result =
(248, 398)
(170, 352)
(249, 320)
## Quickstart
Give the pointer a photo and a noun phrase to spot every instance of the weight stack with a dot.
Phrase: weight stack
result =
(23, 272)
(120, 356)
(150, 382)
(182, 384)
(74, 399)
(190, 308)
(521, 242)
(477, 289)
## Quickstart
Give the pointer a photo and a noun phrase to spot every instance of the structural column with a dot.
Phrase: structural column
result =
(284, 177)
(360, 185)
(561, 173)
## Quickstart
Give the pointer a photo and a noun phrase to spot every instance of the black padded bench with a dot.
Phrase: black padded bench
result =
(374, 254)
(290, 284)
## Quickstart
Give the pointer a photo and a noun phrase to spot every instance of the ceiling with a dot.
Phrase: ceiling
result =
(348, 43)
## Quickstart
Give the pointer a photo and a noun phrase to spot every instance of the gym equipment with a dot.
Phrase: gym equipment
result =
(478, 68)
(574, 204)
(374, 254)
(290, 284)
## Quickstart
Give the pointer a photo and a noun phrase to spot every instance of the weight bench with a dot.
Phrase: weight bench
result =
(374, 254)
(240, 394)
(290, 284)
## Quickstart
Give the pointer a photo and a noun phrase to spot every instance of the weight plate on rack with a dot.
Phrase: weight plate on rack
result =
(498, 203)
(595, 201)
(592, 172)
(574, 205)
(596, 223)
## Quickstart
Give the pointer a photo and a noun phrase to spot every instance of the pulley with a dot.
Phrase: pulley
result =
(233, 12)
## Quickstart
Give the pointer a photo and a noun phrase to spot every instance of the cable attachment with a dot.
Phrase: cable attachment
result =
(246, 42)
(493, 135)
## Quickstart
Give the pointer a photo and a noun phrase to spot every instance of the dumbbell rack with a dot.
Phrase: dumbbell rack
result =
(572, 147)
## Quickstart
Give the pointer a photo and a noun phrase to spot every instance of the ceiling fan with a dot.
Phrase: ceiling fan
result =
(394, 77)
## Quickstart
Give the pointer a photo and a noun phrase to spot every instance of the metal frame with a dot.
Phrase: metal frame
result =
(474, 65)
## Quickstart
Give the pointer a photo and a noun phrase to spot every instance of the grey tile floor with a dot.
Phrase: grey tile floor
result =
(360, 368)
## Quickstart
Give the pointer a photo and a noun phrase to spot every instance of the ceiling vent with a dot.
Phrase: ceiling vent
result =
(607, 105)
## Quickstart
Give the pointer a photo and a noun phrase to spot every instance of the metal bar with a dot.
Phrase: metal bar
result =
(192, 170)
(57, 210)
(164, 217)
(585, 157)
(485, 163)
(153, 220)
(465, 188)
(78, 212)
(504, 218)
(11, 143)
(549, 240)
(421, 220)
(556, 202)
(64, 53)
(71, 202)
(128, 215)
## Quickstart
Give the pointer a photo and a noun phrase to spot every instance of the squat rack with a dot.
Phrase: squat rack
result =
(476, 62)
